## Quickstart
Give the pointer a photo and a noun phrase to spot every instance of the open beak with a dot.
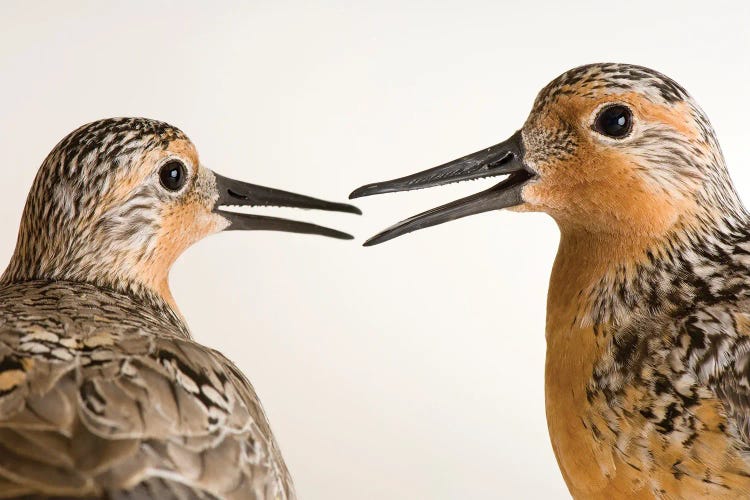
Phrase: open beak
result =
(243, 194)
(505, 158)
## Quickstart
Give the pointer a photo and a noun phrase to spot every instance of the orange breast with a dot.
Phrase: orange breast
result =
(609, 449)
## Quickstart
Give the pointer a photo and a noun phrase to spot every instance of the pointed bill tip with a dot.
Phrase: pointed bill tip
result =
(365, 190)
(345, 207)
(343, 236)
(379, 238)
(332, 206)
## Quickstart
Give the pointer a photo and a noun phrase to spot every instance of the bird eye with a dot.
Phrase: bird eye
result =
(614, 121)
(173, 175)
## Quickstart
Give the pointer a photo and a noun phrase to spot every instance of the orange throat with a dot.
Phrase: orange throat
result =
(575, 343)
(574, 346)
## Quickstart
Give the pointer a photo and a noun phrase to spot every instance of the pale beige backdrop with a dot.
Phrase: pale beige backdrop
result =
(410, 370)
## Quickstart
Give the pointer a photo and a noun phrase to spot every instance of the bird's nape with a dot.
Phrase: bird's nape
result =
(238, 193)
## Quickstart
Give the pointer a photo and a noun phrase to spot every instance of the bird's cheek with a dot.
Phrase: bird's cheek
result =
(540, 195)
(531, 202)
(188, 225)
(211, 222)
(205, 223)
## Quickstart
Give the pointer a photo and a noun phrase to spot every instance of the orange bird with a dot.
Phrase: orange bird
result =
(648, 314)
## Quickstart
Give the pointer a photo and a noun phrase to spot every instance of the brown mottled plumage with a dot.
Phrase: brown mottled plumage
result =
(103, 393)
(648, 317)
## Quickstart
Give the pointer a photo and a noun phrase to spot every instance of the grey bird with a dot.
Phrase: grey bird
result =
(103, 392)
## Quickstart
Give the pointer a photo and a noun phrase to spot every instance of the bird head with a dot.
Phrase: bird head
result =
(118, 200)
(608, 149)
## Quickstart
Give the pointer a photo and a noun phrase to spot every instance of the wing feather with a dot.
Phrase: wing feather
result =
(128, 415)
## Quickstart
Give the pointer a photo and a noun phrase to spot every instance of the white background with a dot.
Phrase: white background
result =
(409, 370)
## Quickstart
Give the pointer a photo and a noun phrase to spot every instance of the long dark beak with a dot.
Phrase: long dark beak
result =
(505, 158)
(243, 194)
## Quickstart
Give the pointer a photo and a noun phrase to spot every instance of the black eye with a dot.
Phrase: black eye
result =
(614, 121)
(173, 175)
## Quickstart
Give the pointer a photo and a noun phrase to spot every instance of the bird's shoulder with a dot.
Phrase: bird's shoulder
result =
(675, 364)
(715, 340)
(671, 395)
(701, 340)
(91, 405)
